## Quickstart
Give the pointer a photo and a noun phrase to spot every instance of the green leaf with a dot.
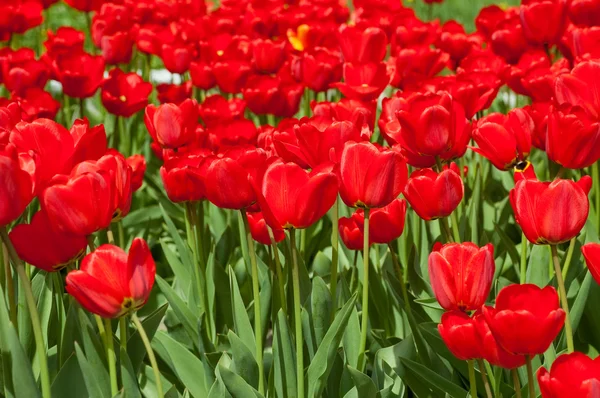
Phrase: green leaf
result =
(95, 388)
(284, 358)
(320, 366)
(131, 389)
(186, 366)
(363, 383)
(185, 253)
(538, 266)
(136, 351)
(244, 361)
(236, 385)
(321, 307)
(434, 380)
(351, 336)
(69, 382)
(240, 315)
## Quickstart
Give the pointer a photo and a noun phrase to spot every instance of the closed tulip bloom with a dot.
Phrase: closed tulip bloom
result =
(112, 283)
(433, 124)
(124, 94)
(318, 69)
(551, 212)
(434, 195)
(585, 12)
(36, 103)
(491, 350)
(174, 93)
(80, 74)
(137, 163)
(170, 125)
(364, 82)
(370, 176)
(526, 318)
(90, 142)
(260, 230)
(52, 250)
(79, 204)
(351, 230)
(504, 139)
(362, 46)
(291, 197)
(202, 75)
(117, 48)
(16, 189)
(571, 375)
(228, 177)
(183, 176)
(85, 5)
(387, 223)
(459, 333)
(176, 57)
(461, 275)
(268, 55)
(65, 39)
(544, 21)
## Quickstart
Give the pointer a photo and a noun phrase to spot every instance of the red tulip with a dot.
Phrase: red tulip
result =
(117, 48)
(364, 82)
(36, 103)
(578, 88)
(524, 171)
(571, 375)
(174, 93)
(291, 197)
(416, 64)
(454, 41)
(504, 140)
(370, 176)
(362, 46)
(351, 230)
(268, 55)
(526, 318)
(551, 212)
(79, 204)
(581, 43)
(434, 195)
(231, 75)
(543, 21)
(112, 283)
(228, 177)
(489, 18)
(183, 176)
(461, 275)
(433, 125)
(387, 223)
(216, 109)
(81, 74)
(585, 12)
(176, 57)
(85, 5)
(52, 250)
(66, 39)
(508, 41)
(260, 230)
(539, 112)
(318, 69)
(171, 125)
(15, 188)
(124, 94)
(459, 333)
(20, 75)
(202, 75)
(232, 133)
(491, 350)
(90, 142)
(137, 163)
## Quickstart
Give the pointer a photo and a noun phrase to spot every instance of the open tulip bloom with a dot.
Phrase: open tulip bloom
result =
(299, 198)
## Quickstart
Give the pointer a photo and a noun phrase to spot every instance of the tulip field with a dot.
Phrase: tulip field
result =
(299, 198)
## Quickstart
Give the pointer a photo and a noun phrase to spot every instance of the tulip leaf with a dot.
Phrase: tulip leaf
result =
(188, 368)
(578, 307)
(538, 265)
(240, 315)
(284, 358)
(321, 364)
(321, 307)
(69, 382)
(131, 388)
(436, 383)
(95, 387)
(244, 361)
(351, 336)
(183, 249)
(136, 351)
(365, 387)
(236, 385)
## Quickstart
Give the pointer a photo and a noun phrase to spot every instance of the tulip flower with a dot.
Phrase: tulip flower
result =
(351, 230)
(526, 318)
(36, 103)
(585, 12)
(461, 275)
(228, 177)
(80, 74)
(80, 203)
(571, 375)
(16, 188)
(216, 110)
(387, 223)
(112, 283)
(268, 55)
(117, 48)
(504, 140)
(551, 212)
(416, 64)
(65, 39)
(171, 125)
(459, 333)
(53, 250)
(362, 46)
(22, 75)
(370, 176)
(137, 163)
(124, 94)
(85, 5)
(174, 93)
(176, 57)
(202, 75)
(544, 21)
(364, 82)
(291, 197)
(434, 195)
(591, 253)
(260, 230)
(90, 143)
(318, 69)
(183, 176)
(491, 350)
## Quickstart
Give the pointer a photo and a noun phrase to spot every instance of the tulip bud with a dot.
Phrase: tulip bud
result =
(459, 333)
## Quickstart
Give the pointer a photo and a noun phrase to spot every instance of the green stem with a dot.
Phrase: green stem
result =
(334, 255)
(81, 108)
(91, 244)
(150, 352)
(530, 382)
(109, 236)
(121, 232)
(365, 295)
(123, 332)
(447, 234)
(278, 271)
(33, 313)
(524, 244)
(58, 294)
(455, 232)
(563, 299)
(111, 357)
(257, 309)
(484, 377)
(10, 291)
(567, 264)
(516, 382)
(472, 380)
(297, 315)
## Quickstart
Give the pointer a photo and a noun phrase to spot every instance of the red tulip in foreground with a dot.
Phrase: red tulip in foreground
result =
(551, 212)
(434, 195)
(112, 283)
(526, 319)
(172, 126)
(15, 189)
(571, 375)
(260, 230)
(491, 350)
(459, 333)
(461, 275)
(370, 176)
